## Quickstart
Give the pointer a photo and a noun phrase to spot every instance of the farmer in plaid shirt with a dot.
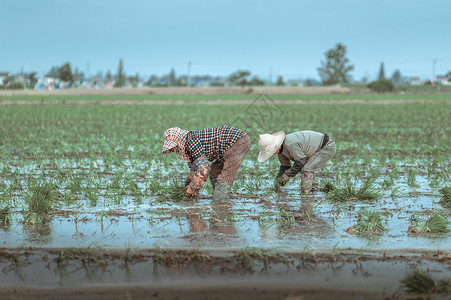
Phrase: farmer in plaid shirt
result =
(224, 146)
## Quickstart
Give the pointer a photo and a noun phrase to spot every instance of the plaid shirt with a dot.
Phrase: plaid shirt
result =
(211, 142)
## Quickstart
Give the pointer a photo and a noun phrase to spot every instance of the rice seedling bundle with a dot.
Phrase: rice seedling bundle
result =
(41, 197)
(369, 222)
(445, 198)
(349, 191)
(437, 223)
(418, 282)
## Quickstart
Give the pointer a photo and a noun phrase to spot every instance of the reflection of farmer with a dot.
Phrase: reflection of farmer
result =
(309, 150)
(225, 146)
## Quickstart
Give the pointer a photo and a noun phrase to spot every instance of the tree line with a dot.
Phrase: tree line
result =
(336, 68)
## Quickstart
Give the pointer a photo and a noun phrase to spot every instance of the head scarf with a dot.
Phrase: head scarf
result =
(176, 137)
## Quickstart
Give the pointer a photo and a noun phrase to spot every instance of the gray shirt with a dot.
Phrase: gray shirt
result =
(299, 145)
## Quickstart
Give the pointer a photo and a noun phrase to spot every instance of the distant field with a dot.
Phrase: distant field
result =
(60, 99)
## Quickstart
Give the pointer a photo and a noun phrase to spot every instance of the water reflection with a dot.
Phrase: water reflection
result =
(219, 219)
(39, 233)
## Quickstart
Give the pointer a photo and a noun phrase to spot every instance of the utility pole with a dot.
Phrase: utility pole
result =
(188, 79)
(434, 62)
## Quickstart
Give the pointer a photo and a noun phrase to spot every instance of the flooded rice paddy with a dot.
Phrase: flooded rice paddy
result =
(254, 217)
(111, 229)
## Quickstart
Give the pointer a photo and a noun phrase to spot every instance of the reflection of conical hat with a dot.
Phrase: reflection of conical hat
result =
(269, 144)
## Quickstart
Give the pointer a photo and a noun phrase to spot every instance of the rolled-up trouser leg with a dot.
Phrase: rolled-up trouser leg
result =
(216, 168)
(307, 179)
(232, 160)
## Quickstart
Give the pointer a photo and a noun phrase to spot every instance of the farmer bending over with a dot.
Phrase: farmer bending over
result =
(224, 146)
(309, 150)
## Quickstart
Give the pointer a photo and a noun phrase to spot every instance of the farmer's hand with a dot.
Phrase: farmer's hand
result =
(280, 181)
(189, 178)
(284, 179)
(190, 192)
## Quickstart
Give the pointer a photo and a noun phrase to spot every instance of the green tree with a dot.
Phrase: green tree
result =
(381, 72)
(120, 77)
(396, 78)
(255, 81)
(171, 78)
(280, 81)
(53, 72)
(31, 78)
(65, 73)
(238, 77)
(336, 68)
(108, 76)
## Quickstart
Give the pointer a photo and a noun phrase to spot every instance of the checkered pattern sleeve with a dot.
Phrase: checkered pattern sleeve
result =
(193, 146)
(212, 142)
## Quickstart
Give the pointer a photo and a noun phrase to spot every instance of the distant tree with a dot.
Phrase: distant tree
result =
(396, 78)
(108, 76)
(336, 68)
(171, 78)
(65, 73)
(255, 81)
(280, 81)
(310, 82)
(120, 76)
(134, 80)
(381, 86)
(31, 78)
(53, 72)
(381, 72)
(239, 77)
(449, 76)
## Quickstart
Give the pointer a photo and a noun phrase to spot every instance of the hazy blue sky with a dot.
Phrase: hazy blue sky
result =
(284, 37)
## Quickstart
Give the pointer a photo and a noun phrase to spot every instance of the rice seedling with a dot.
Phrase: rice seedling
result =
(246, 255)
(5, 216)
(445, 198)
(411, 178)
(75, 185)
(41, 197)
(437, 223)
(419, 282)
(369, 221)
(154, 186)
(349, 191)
(176, 189)
(327, 186)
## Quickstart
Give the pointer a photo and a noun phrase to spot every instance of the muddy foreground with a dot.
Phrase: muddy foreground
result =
(95, 273)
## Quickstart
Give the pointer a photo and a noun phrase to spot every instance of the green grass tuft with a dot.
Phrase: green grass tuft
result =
(41, 197)
(370, 221)
(418, 282)
(5, 216)
(349, 191)
(437, 223)
(445, 198)
(176, 189)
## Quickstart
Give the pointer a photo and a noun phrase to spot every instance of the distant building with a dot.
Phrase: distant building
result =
(443, 80)
(3, 76)
(414, 81)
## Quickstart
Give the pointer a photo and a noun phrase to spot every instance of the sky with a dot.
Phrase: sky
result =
(286, 38)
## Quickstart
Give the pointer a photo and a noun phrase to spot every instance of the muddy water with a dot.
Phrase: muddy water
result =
(213, 273)
(286, 220)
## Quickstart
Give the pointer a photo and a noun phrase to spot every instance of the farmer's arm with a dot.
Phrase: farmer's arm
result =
(297, 154)
(199, 167)
(200, 175)
(285, 164)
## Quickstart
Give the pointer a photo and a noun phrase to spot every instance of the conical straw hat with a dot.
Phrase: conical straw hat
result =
(269, 144)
